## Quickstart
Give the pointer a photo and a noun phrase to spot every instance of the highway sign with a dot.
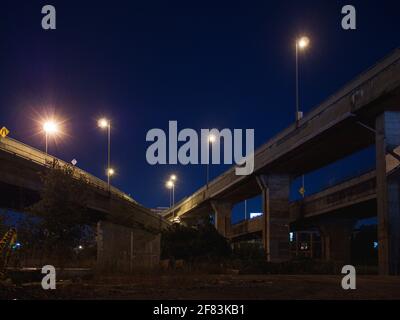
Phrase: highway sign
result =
(4, 132)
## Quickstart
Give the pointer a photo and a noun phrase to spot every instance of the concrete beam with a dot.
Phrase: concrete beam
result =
(388, 193)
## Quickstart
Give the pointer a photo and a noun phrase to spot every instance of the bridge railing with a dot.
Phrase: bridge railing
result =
(29, 153)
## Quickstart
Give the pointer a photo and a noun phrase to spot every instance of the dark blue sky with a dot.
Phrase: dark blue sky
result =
(205, 64)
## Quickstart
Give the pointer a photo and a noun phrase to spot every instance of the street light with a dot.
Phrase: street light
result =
(103, 123)
(301, 44)
(211, 139)
(171, 186)
(50, 127)
(110, 172)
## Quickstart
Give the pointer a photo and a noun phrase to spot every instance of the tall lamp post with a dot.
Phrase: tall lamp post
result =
(211, 139)
(50, 128)
(171, 185)
(106, 124)
(301, 44)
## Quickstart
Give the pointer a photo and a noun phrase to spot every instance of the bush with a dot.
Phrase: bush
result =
(194, 243)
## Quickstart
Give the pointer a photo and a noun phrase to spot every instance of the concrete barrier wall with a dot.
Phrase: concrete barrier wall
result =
(122, 249)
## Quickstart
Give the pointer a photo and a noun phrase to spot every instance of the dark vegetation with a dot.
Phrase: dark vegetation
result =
(203, 249)
(58, 228)
(191, 244)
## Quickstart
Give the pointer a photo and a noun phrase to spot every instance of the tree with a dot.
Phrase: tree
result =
(190, 243)
(62, 210)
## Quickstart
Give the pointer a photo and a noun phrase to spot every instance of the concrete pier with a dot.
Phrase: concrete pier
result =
(388, 192)
(275, 198)
(336, 239)
(222, 211)
(125, 249)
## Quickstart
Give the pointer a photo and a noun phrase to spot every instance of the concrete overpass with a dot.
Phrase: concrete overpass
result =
(122, 220)
(343, 204)
(364, 112)
(355, 198)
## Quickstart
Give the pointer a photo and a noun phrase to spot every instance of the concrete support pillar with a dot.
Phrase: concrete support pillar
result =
(126, 249)
(222, 212)
(388, 192)
(336, 239)
(275, 194)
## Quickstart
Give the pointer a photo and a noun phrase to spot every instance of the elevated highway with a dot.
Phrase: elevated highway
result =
(365, 112)
(121, 219)
(20, 170)
(354, 198)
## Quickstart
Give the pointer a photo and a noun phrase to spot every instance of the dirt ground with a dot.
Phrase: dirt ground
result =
(199, 287)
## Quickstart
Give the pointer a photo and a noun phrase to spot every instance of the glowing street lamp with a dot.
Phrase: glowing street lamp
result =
(104, 123)
(301, 44)
(171, 186)
(211, 140)
(50, 127)
(110, 172)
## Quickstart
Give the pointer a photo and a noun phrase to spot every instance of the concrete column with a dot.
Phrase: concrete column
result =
(222, 212)
(275, 194)
(388, 192)
(336, 239)
(120, 248)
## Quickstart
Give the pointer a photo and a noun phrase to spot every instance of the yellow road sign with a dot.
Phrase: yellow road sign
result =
(4, 132)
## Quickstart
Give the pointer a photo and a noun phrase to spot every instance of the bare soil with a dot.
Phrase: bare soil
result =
(210, 287)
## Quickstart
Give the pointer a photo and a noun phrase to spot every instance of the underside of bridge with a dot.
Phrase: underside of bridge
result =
(333, 212)
(364, 113)
(128, 235)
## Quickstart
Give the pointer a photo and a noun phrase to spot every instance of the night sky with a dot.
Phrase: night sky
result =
(206, 64)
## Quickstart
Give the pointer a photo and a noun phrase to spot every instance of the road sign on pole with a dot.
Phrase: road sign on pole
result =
(4, 132)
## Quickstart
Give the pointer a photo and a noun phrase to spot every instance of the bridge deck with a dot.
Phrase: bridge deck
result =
(20, 164)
